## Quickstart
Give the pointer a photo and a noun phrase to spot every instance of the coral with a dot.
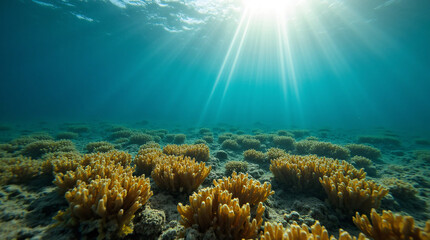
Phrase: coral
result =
(284, 133)
(303, 147)
(298, 133)
(284, 142)
(262, 137)
(364, 151)
(274, 153)
(216, 209)
(41, 136)
(146, 159)
(24, 169)
(156, 139)
(422, 155)
(103, 146)
(222, 155)
(235, 166)
(150, 145)
(179, 138)
(93, 171)
(224, 136)
(254, 156)
(351, 195)
(400, 189)
(9, 148)
(67, 135)
(169, 138)
(230, 144)
(390, 226)
(121, 134)
(322, 149)
(112, 157)
(78, 128)
(40, 147)
(159, 133)
(361, 162)
(422, 141)
(208, 138)
(108, 202)
(200, 141)
(312, 138)
(388, 141)
(61, 163)
(250, 143)
(302, 173)
(245, 189)
(205, 131)
(179, 173)
(275, 231)
(140, 138)
(198, 151)
(23, 140)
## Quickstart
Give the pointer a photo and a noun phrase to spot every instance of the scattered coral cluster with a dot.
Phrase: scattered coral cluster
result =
(103, 192)
(245, 189)
(146, 159)
(236, 166)
(322, 149)
(390, 226)
(364, 151)
(179, 173)
(275, 231)
(344, 185)
(105, 189)
(198, 151)
(253, 155)
(352, 194)
(226, 207)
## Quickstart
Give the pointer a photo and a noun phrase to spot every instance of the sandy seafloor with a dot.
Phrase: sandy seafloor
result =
(27, 209)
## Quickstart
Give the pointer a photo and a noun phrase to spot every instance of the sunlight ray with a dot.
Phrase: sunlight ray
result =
(221, 71)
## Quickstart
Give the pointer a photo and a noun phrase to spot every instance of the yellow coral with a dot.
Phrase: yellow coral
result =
(214, 207)
(179, 173)
(273, 231)
(66, 181)
(111, 200)
(254, 155)
(61, 163)
(22, 169)
(245, 189)
(390, 227)
(112, 157)
(102, 146)
(146, 159)
(274, 153)
(236, 166)
(303, 172)
(352, 195)
(198, 151)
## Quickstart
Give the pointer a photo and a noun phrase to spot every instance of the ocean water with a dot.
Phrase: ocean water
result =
(319, 63)
(334, 71)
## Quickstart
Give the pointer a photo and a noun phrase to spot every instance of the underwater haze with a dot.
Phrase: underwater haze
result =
(309, 63)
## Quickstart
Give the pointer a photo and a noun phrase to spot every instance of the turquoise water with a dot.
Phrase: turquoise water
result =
(315, 63)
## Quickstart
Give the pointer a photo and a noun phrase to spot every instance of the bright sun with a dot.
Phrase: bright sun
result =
(267, 6)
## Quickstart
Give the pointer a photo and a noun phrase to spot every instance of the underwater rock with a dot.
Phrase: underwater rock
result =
(221, 155)
(149, 223)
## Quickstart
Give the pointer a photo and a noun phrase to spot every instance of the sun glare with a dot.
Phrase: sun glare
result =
(268, 6)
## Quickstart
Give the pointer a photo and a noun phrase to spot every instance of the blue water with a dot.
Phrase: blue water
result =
(322, 63)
